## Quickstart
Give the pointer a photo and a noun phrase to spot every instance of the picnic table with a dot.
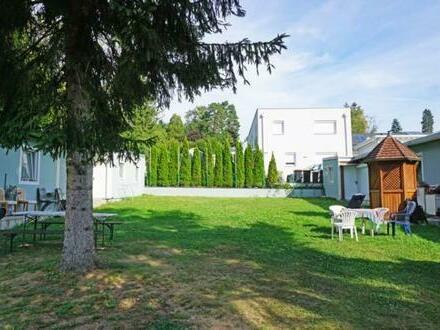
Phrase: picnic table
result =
(372, 216)
(44, 219)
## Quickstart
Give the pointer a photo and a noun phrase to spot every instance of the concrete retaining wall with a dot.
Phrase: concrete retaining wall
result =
(217, 192)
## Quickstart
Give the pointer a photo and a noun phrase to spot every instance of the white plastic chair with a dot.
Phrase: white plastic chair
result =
(347, 221)
(380, 214)
(335, 211)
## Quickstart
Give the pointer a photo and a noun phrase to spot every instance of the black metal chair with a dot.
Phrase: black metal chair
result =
(356, 201)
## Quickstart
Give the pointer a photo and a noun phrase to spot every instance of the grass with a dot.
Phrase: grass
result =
(229, 263)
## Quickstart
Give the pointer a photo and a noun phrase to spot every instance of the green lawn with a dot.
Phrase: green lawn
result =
(229, 263)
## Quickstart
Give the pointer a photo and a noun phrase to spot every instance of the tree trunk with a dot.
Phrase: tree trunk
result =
(79, 246)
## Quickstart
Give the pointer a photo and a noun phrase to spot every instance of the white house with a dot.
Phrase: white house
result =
(30, 169)
(300, 138)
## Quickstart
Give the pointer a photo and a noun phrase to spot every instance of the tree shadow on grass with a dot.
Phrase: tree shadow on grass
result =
(174, 268)
(270, 277)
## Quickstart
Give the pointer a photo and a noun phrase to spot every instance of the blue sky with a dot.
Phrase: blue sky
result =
(384, 55)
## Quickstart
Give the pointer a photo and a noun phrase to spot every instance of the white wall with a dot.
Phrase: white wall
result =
(110, 182)
(300, 136)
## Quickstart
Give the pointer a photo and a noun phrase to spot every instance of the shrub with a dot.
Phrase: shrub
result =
(273, 178)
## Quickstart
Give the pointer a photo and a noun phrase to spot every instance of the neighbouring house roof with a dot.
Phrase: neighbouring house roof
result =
(363, 148)
(390, 149)
(358, 138)
(424, 139)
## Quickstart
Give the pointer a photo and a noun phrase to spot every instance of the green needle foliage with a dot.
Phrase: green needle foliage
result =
(273, 178)
(185, 165)
(259, 179)
(227, 164)
(427, 122)
(248, 167)
(196, 169)
(239, 165)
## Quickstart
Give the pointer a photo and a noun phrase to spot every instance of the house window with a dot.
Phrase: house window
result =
(29, 166)
(121, 170)
(324, 127)
(330, 174)
(278, 127)
(290, 158)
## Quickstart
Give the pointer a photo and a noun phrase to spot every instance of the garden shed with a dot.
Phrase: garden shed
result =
(392, 169)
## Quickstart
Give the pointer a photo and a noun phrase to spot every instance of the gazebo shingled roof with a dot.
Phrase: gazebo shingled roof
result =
(390, 149)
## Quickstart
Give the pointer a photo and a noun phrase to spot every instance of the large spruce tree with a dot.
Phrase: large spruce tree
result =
(73, 72)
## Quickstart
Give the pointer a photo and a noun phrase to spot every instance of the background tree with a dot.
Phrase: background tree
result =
(239, 165)
(273, 178)
(173, 169)
(218, 167)
(162, 167)
(176, 128)
(427, 122)
(259, 178)
(73, 73)
(227, 165)
(395, 126)
(185, 165)
(248, 167)
(152, 166)
(196, 169)
(359, 121)
(215, 120)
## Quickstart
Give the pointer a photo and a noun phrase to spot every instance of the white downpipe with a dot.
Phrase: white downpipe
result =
(58, 172)
(345, 134)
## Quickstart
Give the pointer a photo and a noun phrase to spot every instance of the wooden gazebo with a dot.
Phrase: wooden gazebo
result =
(392, 170)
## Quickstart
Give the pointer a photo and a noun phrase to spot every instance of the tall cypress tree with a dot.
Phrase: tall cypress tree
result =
(185, 165)
(239, 165)
(162, 168)
(218, 167)
(248, 167)
(173, 173)
(273, 178)
(196, 169)
(152, 174)
(210, 163)
(259, 179)
(227, 164)
(204, 163)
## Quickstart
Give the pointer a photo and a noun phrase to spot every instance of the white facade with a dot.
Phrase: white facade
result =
(301, 138)
(124, 179)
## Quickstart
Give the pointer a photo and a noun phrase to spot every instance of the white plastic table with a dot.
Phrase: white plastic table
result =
(371, 215)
